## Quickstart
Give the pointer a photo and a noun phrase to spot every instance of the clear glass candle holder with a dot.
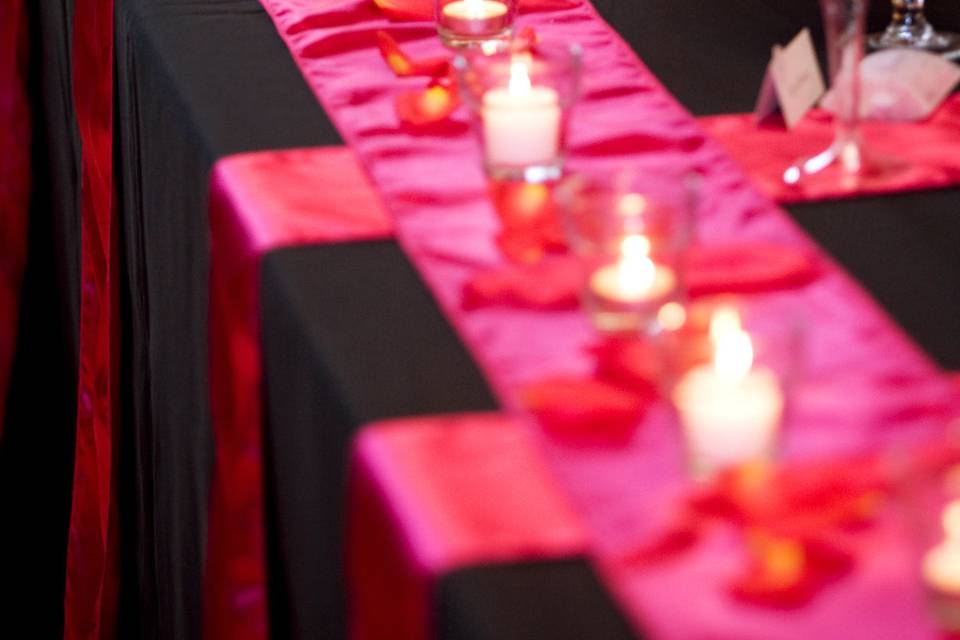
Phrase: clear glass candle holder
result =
(847, 162)
(929, 498)
(629, 229)
(730, 373)
(521, 97)
(466, 23)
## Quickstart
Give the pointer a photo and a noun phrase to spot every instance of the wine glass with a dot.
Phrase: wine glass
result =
(846, 161)
(909, 28)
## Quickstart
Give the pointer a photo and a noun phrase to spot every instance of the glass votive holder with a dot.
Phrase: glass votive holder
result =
(930, 499)
(465, 23)
(521, 99)
(730, 385)
(629, 229)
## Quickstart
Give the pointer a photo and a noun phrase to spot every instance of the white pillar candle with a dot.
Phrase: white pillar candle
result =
(941, 565)
(521, 123)
(475, 17)
(634, 277)
(730, 410)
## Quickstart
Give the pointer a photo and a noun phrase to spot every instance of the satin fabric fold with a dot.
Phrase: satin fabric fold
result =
(866, 385)
(90, 600)
(431, 495)
(14, 180)
(929, 151)
(260, 202)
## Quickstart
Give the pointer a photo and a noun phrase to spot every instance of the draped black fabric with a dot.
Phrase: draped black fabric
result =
(36, 451)
(378, 348)
(349, 332)
(196, 81)
(560, 600)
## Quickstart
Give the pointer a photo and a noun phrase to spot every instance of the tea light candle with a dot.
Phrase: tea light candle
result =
(521, 123)
(730, 410)
(941, 565)
(634, 277)
(475, 17)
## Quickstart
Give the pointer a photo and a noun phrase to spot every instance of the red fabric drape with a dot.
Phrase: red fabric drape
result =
(259, 202)
(91, 585)
(14, 178)
(430, 495)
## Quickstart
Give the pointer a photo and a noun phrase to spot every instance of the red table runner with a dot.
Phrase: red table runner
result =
(929, 149)
(260, 202)
(430, 495)
(866, 384)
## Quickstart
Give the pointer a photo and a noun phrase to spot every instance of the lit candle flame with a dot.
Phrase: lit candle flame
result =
(733, 349)
(519, 76)
(636, 272)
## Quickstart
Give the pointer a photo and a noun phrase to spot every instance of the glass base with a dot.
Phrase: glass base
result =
(845, 163)
(532, 174)
(622, 323)
(455, 40)
(946, 609)
(917, 36)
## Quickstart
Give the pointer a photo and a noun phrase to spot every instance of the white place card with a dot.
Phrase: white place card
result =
(793, 81)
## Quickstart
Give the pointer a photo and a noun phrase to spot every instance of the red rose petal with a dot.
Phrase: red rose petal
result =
(747, 268)
(552, 283)
(584, 409)
(406, 9)
(405, 66)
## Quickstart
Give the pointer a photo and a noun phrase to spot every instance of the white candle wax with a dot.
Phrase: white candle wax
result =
(729, 421)
(729, 409)
(941, 568)
(521, 123)
(474, 17)
(941, 565)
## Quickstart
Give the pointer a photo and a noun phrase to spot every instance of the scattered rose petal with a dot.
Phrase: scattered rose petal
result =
(405, 66)
(552, 283)
(631, 363)
(426, 106)
(584, 409)
(406, 9)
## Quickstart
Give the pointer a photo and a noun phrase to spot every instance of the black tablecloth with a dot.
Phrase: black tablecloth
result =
(350, 334)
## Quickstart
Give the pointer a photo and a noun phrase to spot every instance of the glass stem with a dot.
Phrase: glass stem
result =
(845, 22)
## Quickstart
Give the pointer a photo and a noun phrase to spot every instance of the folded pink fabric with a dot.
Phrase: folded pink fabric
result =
(430, 495)
(260, 202)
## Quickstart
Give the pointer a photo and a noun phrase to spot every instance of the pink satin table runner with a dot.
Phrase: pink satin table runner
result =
(929, 150)
(431, 495)
(260, 202)
(865, 385)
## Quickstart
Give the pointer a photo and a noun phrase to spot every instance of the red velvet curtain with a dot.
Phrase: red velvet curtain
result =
(91, 587)
(14, 178)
